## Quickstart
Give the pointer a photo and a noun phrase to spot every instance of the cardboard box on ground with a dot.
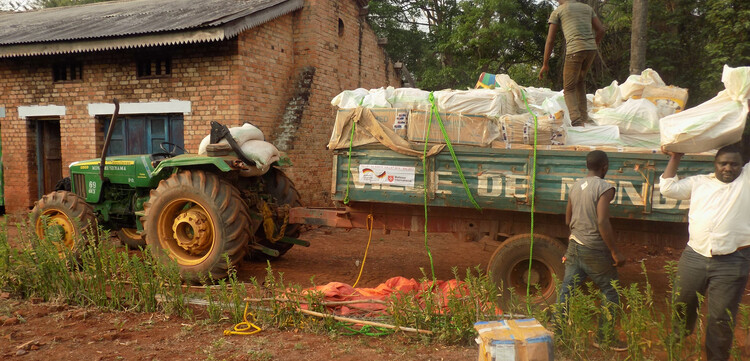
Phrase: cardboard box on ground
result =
(515, 340)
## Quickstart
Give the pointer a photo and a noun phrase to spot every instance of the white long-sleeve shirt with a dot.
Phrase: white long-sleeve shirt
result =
(719, 217)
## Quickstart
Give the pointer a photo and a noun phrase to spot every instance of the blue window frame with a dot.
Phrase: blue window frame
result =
(142, 134)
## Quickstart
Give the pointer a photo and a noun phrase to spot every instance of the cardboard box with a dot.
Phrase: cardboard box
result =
(514, 340)
(519, 129)
(469, 129)
(391, 118)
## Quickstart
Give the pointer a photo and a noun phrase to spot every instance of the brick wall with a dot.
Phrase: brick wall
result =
(200, 73)
(248, 78)
(340, 65)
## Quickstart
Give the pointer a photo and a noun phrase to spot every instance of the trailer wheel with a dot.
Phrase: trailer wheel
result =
(131, 238)
(283, 192)
(197, 218)
(509, 265)
(68, 216)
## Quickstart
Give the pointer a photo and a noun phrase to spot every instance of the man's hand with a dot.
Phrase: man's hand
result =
(619, 259)
(544, 69)
(671, 154)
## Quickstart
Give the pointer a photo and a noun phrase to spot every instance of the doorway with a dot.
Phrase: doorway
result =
(48, 155)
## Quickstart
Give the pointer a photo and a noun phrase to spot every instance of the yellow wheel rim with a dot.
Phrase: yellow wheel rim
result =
(186, 230)
(58, 225)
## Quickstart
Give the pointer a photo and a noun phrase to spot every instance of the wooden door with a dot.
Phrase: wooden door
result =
(49, 158)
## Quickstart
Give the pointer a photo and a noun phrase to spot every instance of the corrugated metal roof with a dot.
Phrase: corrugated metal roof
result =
(134, 18)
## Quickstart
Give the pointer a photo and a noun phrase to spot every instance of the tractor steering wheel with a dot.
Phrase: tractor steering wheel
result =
(171, 148)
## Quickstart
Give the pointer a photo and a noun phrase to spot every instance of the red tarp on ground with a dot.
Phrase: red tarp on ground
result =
(398, 286)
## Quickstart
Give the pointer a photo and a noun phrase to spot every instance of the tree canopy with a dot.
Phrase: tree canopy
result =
(448, 43)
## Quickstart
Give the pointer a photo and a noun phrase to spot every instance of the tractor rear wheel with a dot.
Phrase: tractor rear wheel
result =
(509, 266)
(68, 219)
(131, 238)
(197, 218)
(283, 193)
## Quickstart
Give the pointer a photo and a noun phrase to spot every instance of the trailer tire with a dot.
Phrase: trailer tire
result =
(69, 214)
(283, 192)
(196, 218)
(508, 266)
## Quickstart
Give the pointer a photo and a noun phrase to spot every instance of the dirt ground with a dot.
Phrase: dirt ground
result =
(36, 331)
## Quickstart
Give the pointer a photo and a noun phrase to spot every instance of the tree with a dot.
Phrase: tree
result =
(638, 40)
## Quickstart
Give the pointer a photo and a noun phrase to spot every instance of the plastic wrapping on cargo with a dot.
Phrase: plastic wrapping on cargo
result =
(633, 116)
(668, 99)
(608, 97)
(519, 129)
(349, 99)
(601, 135)
(469, 129)
(410, 98)
(240, 134)
(633, 86)
(718, 122)
(487, 102)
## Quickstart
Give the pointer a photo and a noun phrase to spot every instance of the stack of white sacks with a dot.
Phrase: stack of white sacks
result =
(631, 115)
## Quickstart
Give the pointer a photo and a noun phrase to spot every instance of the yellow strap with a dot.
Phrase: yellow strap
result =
(370, 223)
(244, 328)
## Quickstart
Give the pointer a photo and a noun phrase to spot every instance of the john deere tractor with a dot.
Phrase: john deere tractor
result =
(189, 207)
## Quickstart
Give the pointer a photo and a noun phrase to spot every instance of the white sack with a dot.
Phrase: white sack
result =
(713, 124)
(487, 102)
(349, 99)
(608, 97)
(633, 86)
(240, 134)
(410, 98)
(262, 153)
(598, 135)
(668, 99)
(633, 116)
(377, 98)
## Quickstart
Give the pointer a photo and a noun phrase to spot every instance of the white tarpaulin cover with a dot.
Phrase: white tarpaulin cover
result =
(713, 124)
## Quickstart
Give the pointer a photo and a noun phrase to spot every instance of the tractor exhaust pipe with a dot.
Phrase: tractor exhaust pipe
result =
(109, 137)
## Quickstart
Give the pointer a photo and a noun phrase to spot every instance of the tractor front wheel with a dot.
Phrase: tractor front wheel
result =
(131, 238)
(196, 218)
(65, 218)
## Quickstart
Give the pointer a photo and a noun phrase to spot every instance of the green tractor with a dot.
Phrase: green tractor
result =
(194, 209)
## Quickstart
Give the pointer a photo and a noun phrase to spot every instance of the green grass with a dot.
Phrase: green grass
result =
(106, 277)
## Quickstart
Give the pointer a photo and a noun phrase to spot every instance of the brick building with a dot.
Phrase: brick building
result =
(175, 65)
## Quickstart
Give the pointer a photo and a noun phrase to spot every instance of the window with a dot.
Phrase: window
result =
(67, 71)
(153, 67)
(142, 134)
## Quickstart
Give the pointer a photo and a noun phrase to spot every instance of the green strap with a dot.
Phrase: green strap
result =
(349, 165)
(434, 110)
(424, 180)
(533, 198)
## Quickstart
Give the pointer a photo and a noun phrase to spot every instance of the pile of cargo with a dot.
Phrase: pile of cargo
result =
(502, 114)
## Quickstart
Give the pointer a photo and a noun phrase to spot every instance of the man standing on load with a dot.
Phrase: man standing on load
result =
(578, 21)
(716, 260)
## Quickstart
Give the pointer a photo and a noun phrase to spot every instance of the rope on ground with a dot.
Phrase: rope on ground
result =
(533, 197)
(370, 223)
(245, 327)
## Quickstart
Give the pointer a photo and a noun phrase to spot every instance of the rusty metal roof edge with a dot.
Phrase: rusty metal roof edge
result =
(67, 47)
(235, 27)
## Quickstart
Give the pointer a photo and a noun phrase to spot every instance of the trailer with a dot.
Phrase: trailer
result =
(397, 191)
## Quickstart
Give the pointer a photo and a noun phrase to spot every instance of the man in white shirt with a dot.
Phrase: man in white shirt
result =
(716, 261)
